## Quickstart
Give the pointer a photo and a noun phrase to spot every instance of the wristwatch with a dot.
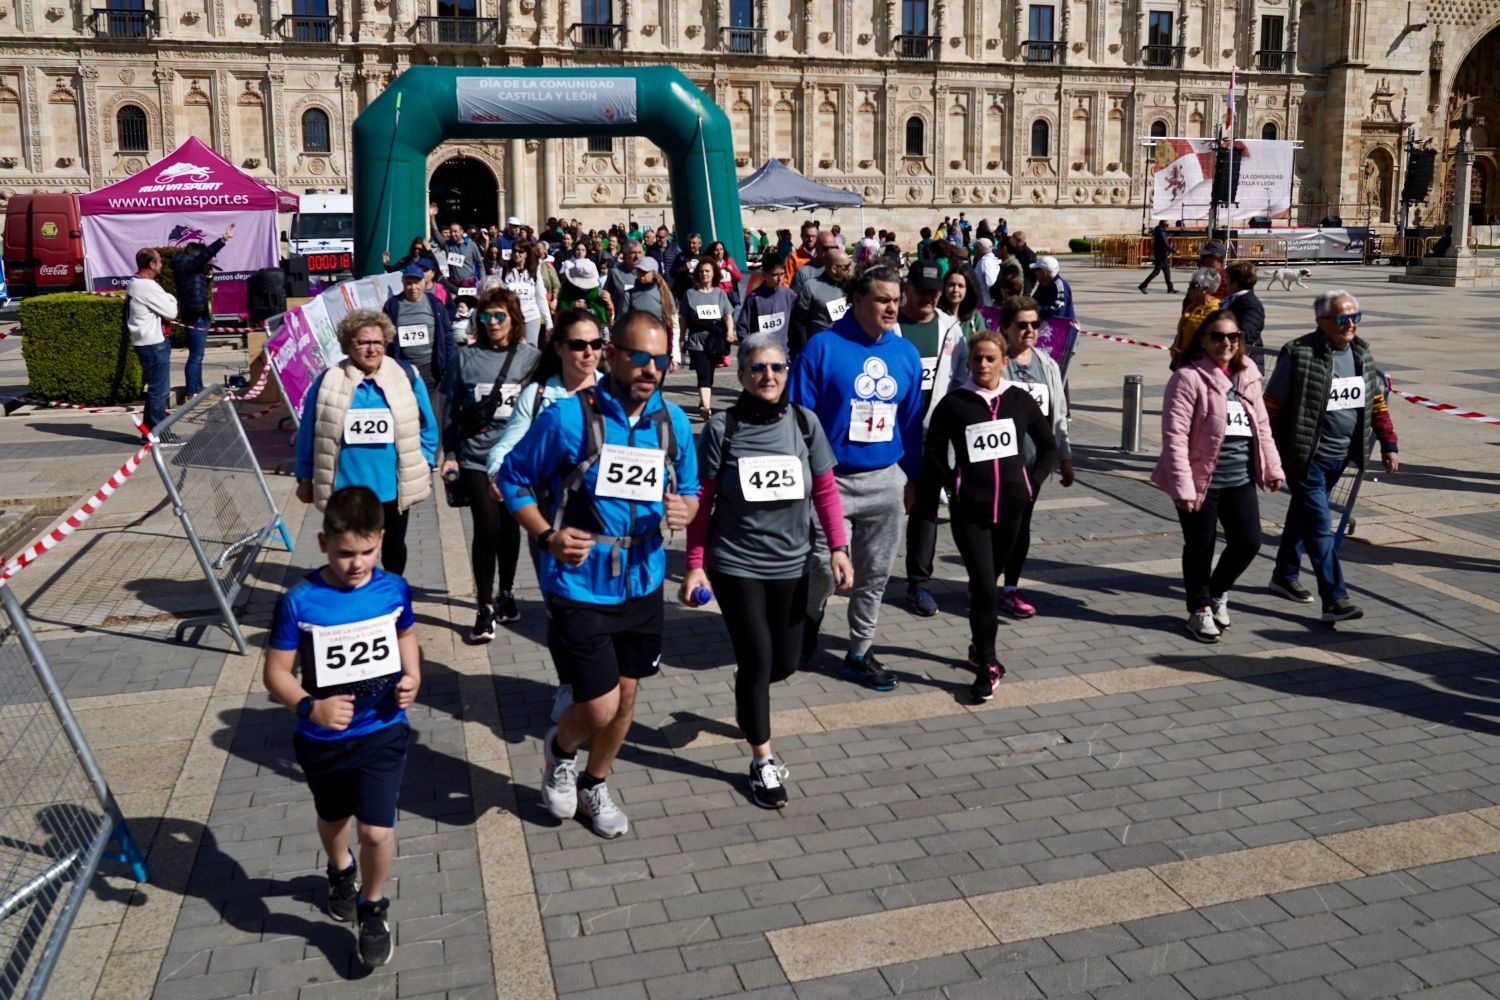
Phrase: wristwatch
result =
(545, 538)
(305, 707)
(840, 548)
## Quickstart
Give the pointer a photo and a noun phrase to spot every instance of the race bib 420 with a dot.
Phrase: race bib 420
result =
(369, 426)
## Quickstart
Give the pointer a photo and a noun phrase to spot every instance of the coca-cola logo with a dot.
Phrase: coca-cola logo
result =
(58, 270)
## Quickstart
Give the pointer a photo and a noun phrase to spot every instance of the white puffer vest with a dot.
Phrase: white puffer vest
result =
(413, 476)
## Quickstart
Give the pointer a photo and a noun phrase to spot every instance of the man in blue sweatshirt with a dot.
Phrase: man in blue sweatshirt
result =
(864, 381)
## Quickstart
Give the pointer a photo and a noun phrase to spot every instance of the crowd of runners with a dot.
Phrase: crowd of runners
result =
(873, 402)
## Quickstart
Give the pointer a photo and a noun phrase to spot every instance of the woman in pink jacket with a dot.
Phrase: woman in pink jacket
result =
(1216, 448)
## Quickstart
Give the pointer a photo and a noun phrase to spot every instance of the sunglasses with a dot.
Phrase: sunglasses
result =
(761, 367)
(640, 359)
(494, 317)
(1033, 324)
(579, 345)
(1232, 336)
(1348, 319)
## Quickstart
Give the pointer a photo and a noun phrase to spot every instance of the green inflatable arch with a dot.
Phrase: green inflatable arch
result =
(427, 105)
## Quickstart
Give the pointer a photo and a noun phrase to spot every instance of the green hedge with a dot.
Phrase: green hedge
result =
(76, 349)
(1081, 244)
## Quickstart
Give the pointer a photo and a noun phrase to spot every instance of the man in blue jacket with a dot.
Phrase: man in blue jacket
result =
(1054, 296)
(424, 333)
(191, 275)
(864, 380)
(593, 482)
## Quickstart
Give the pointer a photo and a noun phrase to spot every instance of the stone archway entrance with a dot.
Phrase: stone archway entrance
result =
(466, 191)
(1477, 80)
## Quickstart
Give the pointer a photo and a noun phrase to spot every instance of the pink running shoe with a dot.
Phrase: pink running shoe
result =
(1014, 603)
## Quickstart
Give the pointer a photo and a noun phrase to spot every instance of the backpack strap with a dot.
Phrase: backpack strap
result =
(593, 444)
(667, 442)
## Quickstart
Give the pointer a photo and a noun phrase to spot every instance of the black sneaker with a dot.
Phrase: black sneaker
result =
(1341, 610)
(766, 786)
(811, 630)
(484, 625)
(375, 944)
(506, 610)
(868, 671)
(343, 890)
(1291, 590)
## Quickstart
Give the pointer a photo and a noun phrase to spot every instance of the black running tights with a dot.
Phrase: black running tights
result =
(497, 537)
(984, 548)
(765, 619)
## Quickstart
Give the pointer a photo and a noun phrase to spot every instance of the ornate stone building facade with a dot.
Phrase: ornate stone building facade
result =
(1031, 110)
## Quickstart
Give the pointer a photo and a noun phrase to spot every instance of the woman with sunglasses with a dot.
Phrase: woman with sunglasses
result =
(763, 464)
(974, 450)
(1216, 447)
(1035, 372)
(520, 275)
(707, 319)
(483, 384)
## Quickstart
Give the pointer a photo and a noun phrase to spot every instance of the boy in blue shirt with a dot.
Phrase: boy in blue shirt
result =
(349, 627)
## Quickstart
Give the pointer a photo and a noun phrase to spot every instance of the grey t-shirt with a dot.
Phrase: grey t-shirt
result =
(695, 306)
(1029, 374)
(418, 313)
(475, 371)
(767, 539)
(1336, 430)
(1233, 467)
(821, 299)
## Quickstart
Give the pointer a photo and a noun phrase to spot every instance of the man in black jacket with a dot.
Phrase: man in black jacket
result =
(1027, 257)
(191, 276)
(1161, 257)
(1244, 304)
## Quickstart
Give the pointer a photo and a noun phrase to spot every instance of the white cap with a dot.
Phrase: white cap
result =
(513, 221)
(1047, 263)
(580, 272)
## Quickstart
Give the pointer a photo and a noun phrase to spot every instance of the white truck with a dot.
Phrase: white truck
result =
(323, 232)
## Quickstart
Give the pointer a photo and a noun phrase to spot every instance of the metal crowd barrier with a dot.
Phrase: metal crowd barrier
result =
(1121, 251)
(1342, 494)
(57, 815)
(221, 497)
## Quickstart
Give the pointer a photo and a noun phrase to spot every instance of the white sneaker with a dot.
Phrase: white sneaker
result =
(609, 821)
(561, 701)
(1220, 607)
(559, 781)
(1200, 625)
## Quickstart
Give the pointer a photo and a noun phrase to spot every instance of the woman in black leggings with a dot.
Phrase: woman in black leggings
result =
(483, 383)
(982, 425)
(764, 466)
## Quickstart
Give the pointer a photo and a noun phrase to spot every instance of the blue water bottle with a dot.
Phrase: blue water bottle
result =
(700, 596)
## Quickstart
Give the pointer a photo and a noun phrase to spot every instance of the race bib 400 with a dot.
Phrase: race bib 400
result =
(990, 440)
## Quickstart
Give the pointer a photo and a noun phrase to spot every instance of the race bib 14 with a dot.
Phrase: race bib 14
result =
(870, 422)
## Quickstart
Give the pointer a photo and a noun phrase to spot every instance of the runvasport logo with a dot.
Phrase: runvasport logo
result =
(184, 172)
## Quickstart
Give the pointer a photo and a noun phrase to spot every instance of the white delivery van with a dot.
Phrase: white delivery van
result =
(323, 232)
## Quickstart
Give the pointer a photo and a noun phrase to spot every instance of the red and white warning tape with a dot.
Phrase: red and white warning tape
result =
(1447, 408)
(1123, 340)
(261, 412)
(255, 390)
(75, 520)
(34, 401)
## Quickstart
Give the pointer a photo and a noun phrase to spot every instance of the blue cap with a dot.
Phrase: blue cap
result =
(413, 271)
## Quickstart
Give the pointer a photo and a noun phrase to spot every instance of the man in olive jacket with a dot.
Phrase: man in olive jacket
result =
(1324, 399)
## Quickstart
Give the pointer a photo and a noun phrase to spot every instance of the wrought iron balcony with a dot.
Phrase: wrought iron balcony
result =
(916, 46)
(308, 28)
(743, 41)
(1276, 60)
(597, 37)
(1049, 53)
(124, 23)
(457, 31)
(1163, 55)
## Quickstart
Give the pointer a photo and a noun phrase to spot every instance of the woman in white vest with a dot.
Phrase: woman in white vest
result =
(522, 276)
(368, 422)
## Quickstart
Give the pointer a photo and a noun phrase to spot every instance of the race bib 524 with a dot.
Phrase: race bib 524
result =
(631, 473)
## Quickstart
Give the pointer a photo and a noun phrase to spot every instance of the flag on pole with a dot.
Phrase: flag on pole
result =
(1229, 106)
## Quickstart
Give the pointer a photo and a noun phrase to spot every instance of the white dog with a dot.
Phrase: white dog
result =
(1287, 275)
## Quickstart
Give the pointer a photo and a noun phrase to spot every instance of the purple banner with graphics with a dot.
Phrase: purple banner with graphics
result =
(1056, 337)
(296, 358)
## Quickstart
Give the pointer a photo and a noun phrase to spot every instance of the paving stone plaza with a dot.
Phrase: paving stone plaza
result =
(1302, 811)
